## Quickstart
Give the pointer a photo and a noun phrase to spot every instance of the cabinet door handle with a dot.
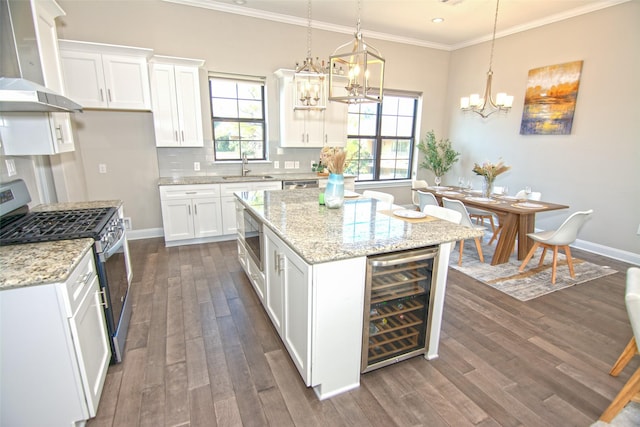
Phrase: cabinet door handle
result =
(195, 209)
(177, 140)
(101, 96)
(275, 262)
(59, 136)
(189, 208)
(182, 133)
(109, 94)
(103, 298)
(302, 138)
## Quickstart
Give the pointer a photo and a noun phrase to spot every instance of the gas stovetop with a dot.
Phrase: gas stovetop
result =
(57, 225)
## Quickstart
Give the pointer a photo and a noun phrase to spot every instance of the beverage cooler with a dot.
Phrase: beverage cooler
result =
(396, 306)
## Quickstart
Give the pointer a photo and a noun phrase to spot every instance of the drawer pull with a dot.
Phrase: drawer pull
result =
(103, 298)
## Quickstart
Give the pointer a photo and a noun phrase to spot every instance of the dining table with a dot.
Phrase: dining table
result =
(516, 217)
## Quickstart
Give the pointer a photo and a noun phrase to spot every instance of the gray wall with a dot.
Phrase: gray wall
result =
(594, 167)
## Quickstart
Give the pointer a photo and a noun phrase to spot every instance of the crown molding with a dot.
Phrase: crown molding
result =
(303, 22)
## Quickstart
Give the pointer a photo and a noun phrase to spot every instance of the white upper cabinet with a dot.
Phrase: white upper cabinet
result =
(309, 128)
(176, 102)
(41, 133)
(106, 76)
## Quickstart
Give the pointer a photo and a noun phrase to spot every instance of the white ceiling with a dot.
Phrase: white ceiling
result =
(466, 22)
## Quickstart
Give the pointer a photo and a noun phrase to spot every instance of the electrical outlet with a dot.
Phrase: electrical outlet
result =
(127, 222)
(276, 164)
(11, 167)
(279, 151)
(196, 166)
(288, 164)
(296, 165)
(102, 168)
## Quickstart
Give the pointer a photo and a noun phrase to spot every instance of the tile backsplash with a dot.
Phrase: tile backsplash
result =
(174, 162)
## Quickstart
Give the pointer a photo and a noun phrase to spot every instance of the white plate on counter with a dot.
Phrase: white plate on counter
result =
(408, 213)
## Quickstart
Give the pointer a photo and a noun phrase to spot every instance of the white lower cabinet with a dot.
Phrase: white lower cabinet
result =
(190, 211)
(317, 311)
(288, 300)
(55, 351)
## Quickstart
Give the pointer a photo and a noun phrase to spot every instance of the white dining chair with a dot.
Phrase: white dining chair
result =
(417, 183)
(631, 389)
(465, 220)
(379, 195)
(426, 198)
(565, 235)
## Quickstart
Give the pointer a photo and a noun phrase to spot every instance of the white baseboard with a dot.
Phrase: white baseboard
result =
(146, 233)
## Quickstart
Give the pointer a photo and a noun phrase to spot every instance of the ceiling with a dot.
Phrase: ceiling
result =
(466, 22)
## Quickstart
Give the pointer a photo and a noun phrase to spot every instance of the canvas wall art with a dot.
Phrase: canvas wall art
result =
(550, 100)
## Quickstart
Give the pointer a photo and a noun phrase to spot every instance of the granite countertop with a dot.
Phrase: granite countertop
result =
(362, 227)
(77, 205)
(33, 264)
(220, 179)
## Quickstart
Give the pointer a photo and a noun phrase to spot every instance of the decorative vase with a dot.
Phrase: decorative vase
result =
(487, 187)
(334, 193)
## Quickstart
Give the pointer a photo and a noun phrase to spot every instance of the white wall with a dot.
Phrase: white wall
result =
(596, 167)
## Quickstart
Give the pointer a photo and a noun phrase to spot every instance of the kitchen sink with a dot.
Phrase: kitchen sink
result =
(246, 177)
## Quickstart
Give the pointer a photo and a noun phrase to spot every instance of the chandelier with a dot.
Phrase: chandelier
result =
(309, 79)
(356, 74)
(486, 106)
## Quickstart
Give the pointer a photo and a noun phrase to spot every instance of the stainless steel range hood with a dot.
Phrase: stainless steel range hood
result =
(22, 82)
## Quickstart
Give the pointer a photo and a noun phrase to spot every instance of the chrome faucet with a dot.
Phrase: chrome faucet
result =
(245, 162)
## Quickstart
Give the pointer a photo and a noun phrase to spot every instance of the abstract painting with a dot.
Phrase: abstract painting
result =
(550, 100)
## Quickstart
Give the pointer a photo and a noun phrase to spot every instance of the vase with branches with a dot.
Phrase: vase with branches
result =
(439, 156)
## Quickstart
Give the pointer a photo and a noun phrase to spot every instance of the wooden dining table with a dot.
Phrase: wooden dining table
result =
(516, 217)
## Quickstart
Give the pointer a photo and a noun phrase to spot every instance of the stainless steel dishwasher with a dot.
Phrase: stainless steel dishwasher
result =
(299, 183)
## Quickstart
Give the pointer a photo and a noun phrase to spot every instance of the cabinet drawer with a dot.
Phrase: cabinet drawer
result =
(78, 284)
(229, 189)
(172, 192)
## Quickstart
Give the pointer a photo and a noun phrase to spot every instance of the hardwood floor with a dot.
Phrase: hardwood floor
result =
(201, 351)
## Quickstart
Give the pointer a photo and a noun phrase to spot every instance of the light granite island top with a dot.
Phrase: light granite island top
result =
(32, 264)
(314, 273)
(362, 227)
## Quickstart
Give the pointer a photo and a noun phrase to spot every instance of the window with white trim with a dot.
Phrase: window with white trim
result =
(381, 138)
(238, 118)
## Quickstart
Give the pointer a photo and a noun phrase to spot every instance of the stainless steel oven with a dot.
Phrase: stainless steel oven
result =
(112, 266)
(251, 233)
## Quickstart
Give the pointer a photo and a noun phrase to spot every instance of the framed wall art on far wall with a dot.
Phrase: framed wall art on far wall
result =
(550, 100)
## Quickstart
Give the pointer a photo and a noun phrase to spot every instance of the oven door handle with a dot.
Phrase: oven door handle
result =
(396, 259)
(114, 248)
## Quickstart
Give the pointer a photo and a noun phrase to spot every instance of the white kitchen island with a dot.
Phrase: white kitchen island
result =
(312, 280)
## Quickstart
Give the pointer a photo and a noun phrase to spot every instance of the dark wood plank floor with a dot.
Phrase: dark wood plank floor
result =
(201, 351)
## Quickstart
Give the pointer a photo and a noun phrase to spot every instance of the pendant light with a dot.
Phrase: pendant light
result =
(356, 71)
(486, 106)
(309, 79)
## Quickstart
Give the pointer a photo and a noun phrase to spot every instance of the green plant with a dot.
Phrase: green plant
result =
(438, 155)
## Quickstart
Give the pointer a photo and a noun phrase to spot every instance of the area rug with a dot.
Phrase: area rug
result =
(531, 283)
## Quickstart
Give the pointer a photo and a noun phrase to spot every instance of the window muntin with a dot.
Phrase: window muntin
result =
(381, 138)
(237, 117)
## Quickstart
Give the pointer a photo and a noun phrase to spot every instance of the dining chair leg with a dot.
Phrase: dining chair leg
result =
(479, 248)
(567, 253)
(526, 260)
(461, 249)
(544, 252)
(625, 357)
(629, 390)
(554, 265)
